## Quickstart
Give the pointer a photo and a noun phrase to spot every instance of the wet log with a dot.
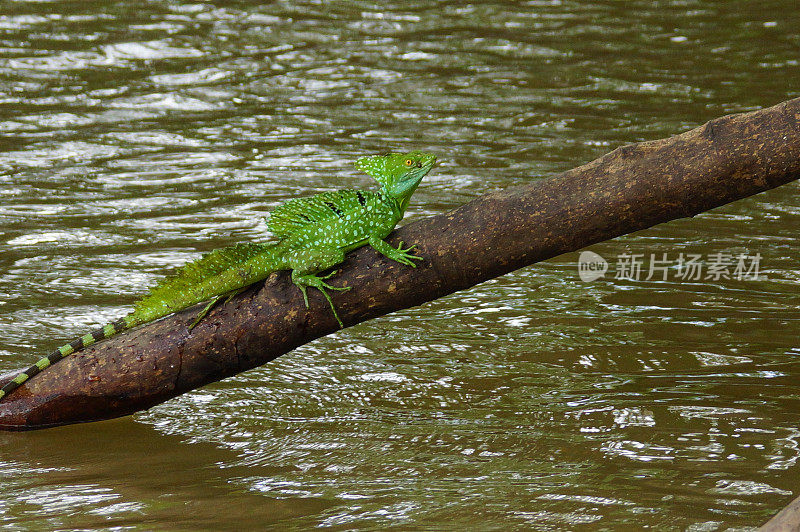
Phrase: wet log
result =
(629, 189)
(787, 520)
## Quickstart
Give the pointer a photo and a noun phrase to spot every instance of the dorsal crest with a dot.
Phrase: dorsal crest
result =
(298, 213)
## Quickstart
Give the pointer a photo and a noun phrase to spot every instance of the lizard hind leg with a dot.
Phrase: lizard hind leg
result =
(304, 274)
(213, 303)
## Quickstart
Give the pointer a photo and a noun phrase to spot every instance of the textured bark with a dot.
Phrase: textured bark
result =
(631, 188)
(787, 520)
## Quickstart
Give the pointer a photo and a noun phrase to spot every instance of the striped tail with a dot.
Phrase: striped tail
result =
(218, 272)
(64, 351)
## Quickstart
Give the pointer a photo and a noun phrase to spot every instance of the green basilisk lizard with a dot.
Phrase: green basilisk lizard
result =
(313, 235)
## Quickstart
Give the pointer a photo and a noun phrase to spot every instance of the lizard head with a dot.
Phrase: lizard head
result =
(399, 174)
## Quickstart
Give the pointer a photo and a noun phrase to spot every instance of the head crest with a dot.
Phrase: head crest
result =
(396, 171)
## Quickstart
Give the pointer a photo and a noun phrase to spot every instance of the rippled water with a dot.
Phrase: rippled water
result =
(134, 135)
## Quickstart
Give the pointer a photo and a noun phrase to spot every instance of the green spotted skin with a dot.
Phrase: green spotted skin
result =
(313, 235)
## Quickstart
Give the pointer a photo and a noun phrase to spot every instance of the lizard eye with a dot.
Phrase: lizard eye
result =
(409, 162)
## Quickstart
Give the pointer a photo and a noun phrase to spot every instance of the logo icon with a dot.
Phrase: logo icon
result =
(591, 266)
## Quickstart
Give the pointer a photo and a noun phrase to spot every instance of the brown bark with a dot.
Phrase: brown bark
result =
(787, 520)
(631, 188)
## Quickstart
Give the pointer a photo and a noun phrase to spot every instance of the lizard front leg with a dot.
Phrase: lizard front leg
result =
(307, 263)
(399, 254)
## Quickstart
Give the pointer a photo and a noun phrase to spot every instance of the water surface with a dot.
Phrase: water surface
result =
(135, 135)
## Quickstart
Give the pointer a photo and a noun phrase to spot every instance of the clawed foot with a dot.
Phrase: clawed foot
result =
(334, 272)
(403, 256)
(304, 281)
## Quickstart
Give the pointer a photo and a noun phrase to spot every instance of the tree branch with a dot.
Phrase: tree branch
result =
(631, 188)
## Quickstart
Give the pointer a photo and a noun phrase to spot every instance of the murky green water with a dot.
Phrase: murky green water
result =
(134, 135)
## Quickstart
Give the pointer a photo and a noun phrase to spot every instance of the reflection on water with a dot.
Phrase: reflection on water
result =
(134, 136)
(114, 479)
